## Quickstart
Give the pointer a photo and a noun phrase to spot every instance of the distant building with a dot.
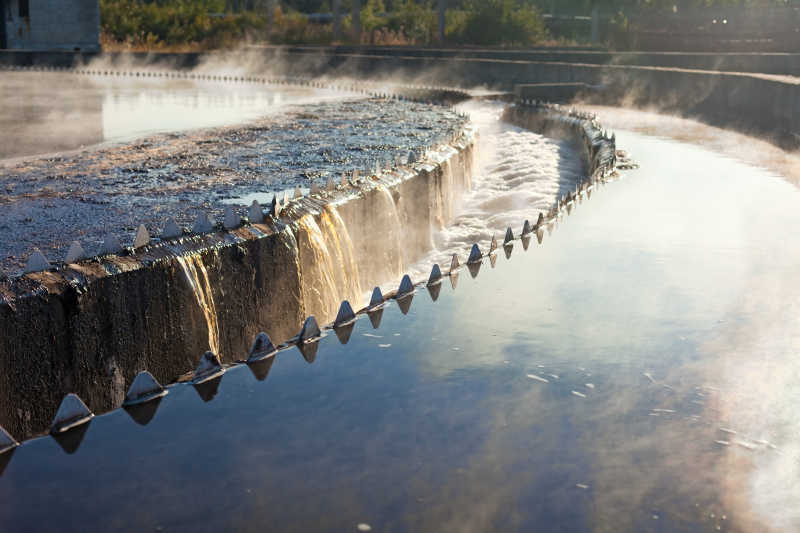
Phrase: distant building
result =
(50, 25)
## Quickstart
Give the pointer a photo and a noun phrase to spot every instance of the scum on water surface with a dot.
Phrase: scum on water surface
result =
(50, 201)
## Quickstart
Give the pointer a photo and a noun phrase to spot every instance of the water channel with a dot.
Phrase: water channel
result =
(635, 371)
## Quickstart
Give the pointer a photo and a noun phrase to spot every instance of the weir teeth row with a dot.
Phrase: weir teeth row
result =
(73, 413)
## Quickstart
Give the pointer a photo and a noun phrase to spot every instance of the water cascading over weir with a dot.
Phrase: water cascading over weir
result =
(158, 306)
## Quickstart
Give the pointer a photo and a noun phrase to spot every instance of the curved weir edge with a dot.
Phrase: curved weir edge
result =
(259, 275)
(89, 327)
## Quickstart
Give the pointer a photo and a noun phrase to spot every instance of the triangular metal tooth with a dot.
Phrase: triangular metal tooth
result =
(297, 193)
(454, 264)
(7, 442)
(261, 349)
(412, 157)
(142, 237)
(203, 224)
(526, 228)
(286, 198)
(314, 188)
(509, 240)
(254, 213)
(231, 220)
(276, 206)
(377, 298)
(330, 186)
(37, 262)
(310, 330)
(143, 389)
(172, 230)
(406, 287)
(355, 176)
(493, 245)
(209, 368)
(111, 244)
(345, 315)
(71, 413)
(75, 253)
(474, 255)
(540, 220)
(436, 275)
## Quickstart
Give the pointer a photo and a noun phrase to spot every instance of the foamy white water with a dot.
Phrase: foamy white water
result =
(518, 175)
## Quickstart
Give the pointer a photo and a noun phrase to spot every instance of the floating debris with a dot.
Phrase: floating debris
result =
(589, 386)
(384, 346)
(364, 527)
(582, 486)
(578, 394)
(650, 377)
(538, 378)
(722, 442)
(729, 431)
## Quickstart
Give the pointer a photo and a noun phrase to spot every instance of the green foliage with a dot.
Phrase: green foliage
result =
(416, 21)
(174, 22)
(498, 22)
(206, 23)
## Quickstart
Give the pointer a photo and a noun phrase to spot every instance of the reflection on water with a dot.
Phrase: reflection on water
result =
(635, 371)
(49, 112)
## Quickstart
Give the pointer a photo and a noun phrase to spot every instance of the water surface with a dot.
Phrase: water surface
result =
(635, 372)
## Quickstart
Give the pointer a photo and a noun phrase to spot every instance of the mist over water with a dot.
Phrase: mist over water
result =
(91, 110)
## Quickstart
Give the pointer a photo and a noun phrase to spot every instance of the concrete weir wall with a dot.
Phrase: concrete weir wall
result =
(88, 328)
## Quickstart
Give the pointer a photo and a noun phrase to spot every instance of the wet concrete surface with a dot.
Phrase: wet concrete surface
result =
(50, 201)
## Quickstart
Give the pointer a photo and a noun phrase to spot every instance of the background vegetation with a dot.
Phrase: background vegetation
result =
(209, 24)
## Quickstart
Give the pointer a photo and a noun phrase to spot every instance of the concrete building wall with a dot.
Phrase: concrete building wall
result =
(52, 24)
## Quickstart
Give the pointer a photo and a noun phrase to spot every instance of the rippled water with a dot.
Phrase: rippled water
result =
(635, 372)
